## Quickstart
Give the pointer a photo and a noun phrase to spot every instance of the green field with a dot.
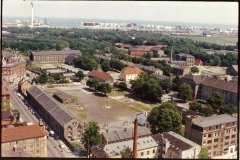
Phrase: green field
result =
(214, 39)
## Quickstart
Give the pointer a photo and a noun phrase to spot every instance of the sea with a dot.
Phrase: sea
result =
(76, 22)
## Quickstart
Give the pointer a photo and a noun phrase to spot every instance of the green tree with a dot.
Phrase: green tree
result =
(79, 75)
(228, 109)
(166, 85)
(91, 136)
(176, 83)
(194, 69)
(156, 55)
(203, 153)
(43, 78)
(185, 92)
(122, 85)
(92, 83)
(116, 64)
(105, 65)
(126, 153)
(216, 100)
(164, 119)
(104, 87)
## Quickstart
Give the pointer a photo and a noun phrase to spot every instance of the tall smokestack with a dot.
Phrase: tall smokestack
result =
(32, 15)
(135, 138)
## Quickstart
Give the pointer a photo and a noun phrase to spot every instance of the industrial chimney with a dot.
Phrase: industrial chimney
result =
(135, 137)
(32, 15)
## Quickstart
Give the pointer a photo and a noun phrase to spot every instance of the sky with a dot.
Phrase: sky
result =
(192, 12)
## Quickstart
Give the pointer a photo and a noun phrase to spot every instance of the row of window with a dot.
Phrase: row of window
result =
(148, 152)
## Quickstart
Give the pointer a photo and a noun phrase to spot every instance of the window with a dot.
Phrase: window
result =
(231, 150)
(232, 142)
(154, 151)
(209, 141)
(226, 143)
(147, 152)
(215, 140)
(233, 136)
(227, 137)
(209, 135)
(205, 135)
(142, 153)
(225, 149)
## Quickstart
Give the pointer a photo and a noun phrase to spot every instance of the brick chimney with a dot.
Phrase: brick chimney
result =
(135, 137)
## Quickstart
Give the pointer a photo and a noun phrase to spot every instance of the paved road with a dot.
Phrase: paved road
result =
(52, 144)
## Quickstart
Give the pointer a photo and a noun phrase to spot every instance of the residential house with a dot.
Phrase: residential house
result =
(130, 73)
(186, 57)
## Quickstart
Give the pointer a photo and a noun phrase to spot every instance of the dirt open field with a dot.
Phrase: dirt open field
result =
(94, 107)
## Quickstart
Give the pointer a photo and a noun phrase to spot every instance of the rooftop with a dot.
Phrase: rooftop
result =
(22, 133)
(176, 141)
(57, 110)
(131, 70)
(100, 75)
(115, 148)
(125, 134)
(63, 52)
(214, 120)
(62, 95)
(220, 84)
(185, 55)
(196, 79)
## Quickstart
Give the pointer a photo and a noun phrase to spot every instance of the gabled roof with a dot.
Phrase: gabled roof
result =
(194, 78)
(235, 67)
(176, 141)
(131, 70)
(58, 112)
(220, 84)
(100, 75)
(22, 133)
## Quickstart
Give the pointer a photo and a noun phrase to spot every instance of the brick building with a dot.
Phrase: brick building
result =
(32, 139)
(63, 123)
(14, 72)
(204, 86)
(51, 56)
(187, 58)
(218, 133)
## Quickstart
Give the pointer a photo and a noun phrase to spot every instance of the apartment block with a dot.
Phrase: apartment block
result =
(218, 133)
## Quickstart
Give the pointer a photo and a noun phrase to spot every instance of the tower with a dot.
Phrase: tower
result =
(135, 137)
(32, 15)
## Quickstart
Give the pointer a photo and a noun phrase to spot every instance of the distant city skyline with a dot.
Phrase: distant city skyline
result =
(183, 12)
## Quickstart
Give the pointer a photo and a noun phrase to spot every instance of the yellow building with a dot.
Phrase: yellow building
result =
(32, 139)
(130, 73)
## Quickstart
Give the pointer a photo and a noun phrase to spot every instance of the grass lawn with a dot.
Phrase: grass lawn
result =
(118, 92)
(214, 39)
(141, 106)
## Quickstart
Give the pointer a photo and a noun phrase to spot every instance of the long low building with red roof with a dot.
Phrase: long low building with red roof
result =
(32, 139)
(101, 76)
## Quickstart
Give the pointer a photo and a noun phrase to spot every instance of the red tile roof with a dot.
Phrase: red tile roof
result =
(220, 84)
(22, 133)
(100, 75)
(131, 70)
